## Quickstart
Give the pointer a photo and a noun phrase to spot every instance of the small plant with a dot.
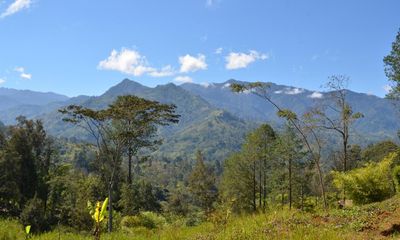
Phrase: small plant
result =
(27, 231)
(98, 214)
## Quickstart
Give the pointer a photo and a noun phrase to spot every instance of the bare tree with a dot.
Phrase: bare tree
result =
(335, 114)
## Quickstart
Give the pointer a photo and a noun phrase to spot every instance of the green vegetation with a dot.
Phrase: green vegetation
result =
(282, 183)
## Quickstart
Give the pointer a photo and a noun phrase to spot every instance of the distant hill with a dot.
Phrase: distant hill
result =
(11, 98)
(380, 121)
(213, 119)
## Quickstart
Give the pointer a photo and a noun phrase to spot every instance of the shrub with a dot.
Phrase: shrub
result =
(371, 183)
(396, 177)
(11, 230)
(148, 220)
(33, 214)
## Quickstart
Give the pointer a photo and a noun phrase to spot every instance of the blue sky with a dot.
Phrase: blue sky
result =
(85, 46)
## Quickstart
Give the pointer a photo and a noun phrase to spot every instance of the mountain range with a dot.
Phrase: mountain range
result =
(213, 119)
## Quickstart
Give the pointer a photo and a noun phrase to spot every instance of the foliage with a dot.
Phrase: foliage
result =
(148, 220)
(368, 184)
(202, 184)
(33, 214)
(392, 67)
(396, 177)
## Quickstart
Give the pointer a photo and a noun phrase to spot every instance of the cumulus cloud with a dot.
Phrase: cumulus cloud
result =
(22, 72)
(126, 61)
(241, 60)
(192, 64)
(316, 95)
(183, 79)
(15, 7)
(387, 88)
(2, 81)
(133, 63)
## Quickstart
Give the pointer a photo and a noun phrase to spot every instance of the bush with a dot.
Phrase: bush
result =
(33, 214)
(148, 220)
(396, 177)
(371, 183)
(11, 230)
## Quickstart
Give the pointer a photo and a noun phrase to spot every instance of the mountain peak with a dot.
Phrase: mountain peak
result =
(126, 86)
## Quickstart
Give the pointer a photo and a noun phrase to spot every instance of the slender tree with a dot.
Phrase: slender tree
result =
(307, 132)
(202, 184)
(336, 115)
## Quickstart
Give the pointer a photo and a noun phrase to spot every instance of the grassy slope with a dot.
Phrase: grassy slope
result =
(368, 222)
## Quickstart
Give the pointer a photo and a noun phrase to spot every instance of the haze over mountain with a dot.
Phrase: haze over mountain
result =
(213, 118)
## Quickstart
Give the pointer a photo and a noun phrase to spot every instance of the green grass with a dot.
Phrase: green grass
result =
(366, 222)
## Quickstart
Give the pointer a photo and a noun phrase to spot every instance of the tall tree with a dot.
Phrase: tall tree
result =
(202, 184)
(115, 129)
(392, 68)
(336, 115)
(136, 120)
(259, 150)
(289, 151)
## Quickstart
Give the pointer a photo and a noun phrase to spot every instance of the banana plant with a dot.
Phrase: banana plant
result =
(98, 214)
(27, 231)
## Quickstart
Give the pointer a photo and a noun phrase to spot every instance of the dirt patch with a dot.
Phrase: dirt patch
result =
(395, 228)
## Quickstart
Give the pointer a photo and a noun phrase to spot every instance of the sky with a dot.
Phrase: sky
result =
(83, 47)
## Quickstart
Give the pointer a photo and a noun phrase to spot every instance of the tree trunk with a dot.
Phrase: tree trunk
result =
(110, 214)
(260, 185)
(254, 187)
(130, 153)
(290, 183)
(321, 183)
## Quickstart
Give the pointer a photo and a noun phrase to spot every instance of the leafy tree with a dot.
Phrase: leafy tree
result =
(290, 162)
(237, 183)
(392, 68)
(376, 152)
(368, 184)
(258, 147)
(136, 120)
(117, 128)
(202, 184)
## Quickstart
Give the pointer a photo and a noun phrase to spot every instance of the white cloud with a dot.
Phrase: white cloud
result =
(2, 81)
(164, 72)
(219, 50)
(242, 60)
(226, 85)
(294, 91)
(126, 61)
(133, 63)
(290, 91)
(387, 88)
(183, 79)
(316, 95)
(206, 84)
(22, 72)
(192, 64)
(15, 7)
(26, 75)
